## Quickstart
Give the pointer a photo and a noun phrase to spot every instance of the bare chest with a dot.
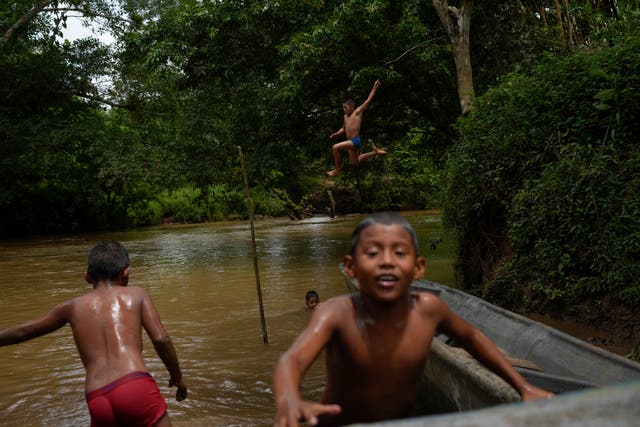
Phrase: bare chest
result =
(389, 352)
(352, 124)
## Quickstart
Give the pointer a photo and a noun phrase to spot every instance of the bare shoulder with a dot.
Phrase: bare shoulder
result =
(333, 311)
(64, 309)
(139, 297)
(136, 290)
(135, 295)
(328, 318)
(335, 305)
(339, 300)
(429, 304)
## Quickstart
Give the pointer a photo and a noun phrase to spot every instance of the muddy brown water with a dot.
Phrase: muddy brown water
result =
(202, 281)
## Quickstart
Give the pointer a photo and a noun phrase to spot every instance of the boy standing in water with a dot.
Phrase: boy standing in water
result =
(351, 124)
(377, 340)
(107, 327)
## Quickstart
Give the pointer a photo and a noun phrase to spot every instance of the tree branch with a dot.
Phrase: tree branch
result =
(442, 9)
(89, 14)
(102, 101)
(387, 63)
(22, 22)
(42, 6)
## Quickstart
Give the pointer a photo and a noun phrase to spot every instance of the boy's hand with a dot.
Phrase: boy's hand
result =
(291, 413)
(534, 393)
(182, 392)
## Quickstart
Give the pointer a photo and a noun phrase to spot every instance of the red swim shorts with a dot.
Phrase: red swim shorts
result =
(133, 400)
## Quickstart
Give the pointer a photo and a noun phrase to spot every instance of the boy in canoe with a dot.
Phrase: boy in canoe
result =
(351, 124)
(378, 339)
(107, 326)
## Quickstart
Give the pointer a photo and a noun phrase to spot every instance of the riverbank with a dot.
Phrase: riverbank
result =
(609, 326)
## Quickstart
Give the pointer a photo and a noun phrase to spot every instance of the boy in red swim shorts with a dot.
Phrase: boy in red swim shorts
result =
(107, 327)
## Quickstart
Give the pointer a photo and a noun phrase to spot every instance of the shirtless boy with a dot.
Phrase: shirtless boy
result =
(378, 339)
(351, 128)
(107, 326)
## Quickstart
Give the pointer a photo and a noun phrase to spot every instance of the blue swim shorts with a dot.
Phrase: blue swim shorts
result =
(356, 141)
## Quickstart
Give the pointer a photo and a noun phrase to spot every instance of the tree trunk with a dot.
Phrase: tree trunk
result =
(559, 18)
(572, 36)
(457, 23)
(543, 15)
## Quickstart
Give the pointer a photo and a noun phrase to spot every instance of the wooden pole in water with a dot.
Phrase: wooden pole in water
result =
(265, 338)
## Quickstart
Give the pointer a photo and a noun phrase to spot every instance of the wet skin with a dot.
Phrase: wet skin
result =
(377, 340)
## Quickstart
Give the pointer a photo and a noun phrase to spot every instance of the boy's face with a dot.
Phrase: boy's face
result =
(348, 109)
(312, 303)
(385, 262)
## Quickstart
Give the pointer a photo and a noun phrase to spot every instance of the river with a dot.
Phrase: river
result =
(202, 281)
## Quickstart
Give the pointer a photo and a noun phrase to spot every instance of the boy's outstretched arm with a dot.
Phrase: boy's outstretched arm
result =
(369, 99)
(486, 352)
(290, 369)
(163, 345)
(336, 133)
(52, 321)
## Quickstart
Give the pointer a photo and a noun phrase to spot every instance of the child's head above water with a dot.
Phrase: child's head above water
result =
(312, 300)
(383, 218)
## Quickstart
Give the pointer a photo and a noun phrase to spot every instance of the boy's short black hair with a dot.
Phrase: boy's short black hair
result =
(107, 259)
(384, 218)
(311, 294)
(349, 102)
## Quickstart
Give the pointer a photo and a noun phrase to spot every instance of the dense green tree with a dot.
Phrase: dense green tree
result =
(190, 81)
(542, 185)
(271, 77)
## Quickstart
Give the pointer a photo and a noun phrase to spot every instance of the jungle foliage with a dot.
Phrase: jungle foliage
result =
(542, 173)
(547, 168)
(100, 137)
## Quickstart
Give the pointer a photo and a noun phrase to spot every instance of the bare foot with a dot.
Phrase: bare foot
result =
(333, 172)
(380, 152)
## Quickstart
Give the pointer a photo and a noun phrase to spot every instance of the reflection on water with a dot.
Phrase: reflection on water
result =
(202, 281)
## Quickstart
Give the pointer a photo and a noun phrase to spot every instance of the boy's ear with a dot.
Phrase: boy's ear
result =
(419, 268)
(87, 277)
(125, 274)
(348, 266)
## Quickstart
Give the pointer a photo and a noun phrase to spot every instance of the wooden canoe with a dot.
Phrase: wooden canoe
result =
(546, 357)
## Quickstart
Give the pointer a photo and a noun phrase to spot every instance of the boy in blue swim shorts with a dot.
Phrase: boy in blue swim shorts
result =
(351, 124)
(107, 325)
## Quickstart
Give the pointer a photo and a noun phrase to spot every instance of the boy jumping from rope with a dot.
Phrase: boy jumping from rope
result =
(351, 128)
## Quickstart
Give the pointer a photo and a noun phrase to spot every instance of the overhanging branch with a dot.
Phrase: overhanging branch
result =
(22, 22)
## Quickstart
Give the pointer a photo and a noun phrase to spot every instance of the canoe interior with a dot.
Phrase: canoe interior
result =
(562, 362)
